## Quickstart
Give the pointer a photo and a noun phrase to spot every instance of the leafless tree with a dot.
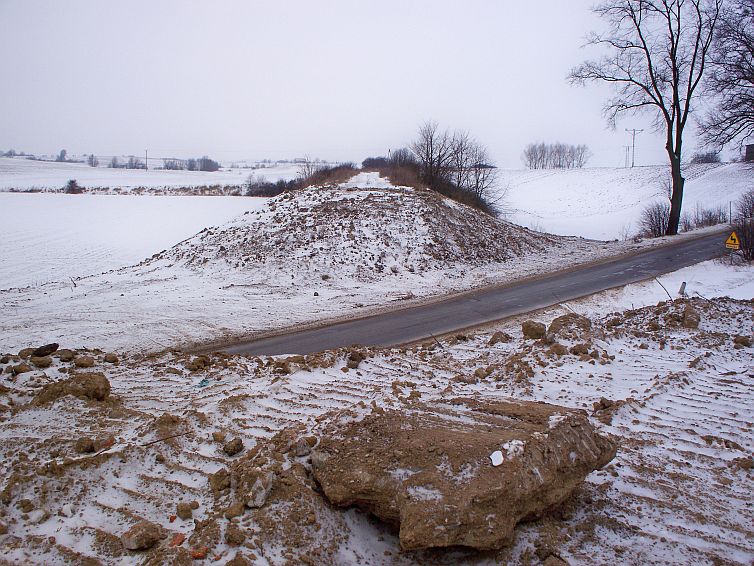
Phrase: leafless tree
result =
(434, 151)
(555, 156)
(92, 160)
(308, 167)
(731, 77)
(658, 52)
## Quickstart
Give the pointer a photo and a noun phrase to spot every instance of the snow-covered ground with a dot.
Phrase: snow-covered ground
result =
(53, 237)
(606, 203)
(24, 174)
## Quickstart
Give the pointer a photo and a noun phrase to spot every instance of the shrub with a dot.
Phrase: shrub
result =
(706, 157)
(654, 219)
(744, 228)
(709, 216)
(745, 206)
(73, 188)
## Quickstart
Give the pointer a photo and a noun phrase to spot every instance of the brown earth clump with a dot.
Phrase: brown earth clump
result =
(93, 386)
(533, 330)
(463, 476)
(570, 326)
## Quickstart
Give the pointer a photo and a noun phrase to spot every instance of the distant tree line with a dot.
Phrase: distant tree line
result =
(555, 156)
(201, 164)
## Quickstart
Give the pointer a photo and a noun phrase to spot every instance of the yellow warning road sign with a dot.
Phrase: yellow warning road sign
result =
(733, 242)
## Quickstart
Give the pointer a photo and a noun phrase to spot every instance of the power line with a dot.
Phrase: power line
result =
(633, 132)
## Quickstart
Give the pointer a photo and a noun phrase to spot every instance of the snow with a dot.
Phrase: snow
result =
(496, 458)
(514, 448)
(606, 203)
(53, 237)
(24, 174)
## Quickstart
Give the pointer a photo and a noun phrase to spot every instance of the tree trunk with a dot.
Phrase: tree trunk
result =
(676, 197)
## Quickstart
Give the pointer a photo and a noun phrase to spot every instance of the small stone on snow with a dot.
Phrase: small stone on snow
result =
(496, 457)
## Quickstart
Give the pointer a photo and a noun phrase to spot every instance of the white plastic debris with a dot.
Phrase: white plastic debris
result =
(496, 457)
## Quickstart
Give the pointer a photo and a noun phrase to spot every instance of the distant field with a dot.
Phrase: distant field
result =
(606, 203)
(24, 174)
(49, 237)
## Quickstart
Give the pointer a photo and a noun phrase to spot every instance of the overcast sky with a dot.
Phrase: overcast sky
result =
(339, 80)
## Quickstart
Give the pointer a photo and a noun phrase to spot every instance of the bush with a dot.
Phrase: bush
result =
(709, 216)
(745, 206)
(706, 157)
(744, 229)
(73, 188)
(256, 187)
(654, 219)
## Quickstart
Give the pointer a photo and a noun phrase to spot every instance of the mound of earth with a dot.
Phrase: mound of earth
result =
(361, 232)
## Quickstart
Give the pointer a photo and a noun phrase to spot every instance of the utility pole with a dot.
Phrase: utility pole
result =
(627, 149)
(146, 159)
(633, 132)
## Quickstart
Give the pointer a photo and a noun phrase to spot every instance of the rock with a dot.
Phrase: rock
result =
(744, 341)
(499, 337)
(111, 358)
(3, 528)
(184, 511)
(220, 480)
(238, 560)
(255, 487)
(199, 363)
(233, 447)
(93, 386)
(26, 353)
(579, 349)
(405, 468)
(20, 368)
(83, 361)
(553, 560)
(4, 359)
(218, 436)
(571, 326)
(234, 535)
(533, 330)
(65, 355)
(45, 350)
(142, 536)
(41, 362)
(691, 318)
(558, 349)
(66, 510)
(235, 510)
(355, 357)
(199, 552)
(84, 445)
(301, 448)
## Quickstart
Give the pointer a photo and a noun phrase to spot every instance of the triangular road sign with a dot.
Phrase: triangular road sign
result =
(733, 242)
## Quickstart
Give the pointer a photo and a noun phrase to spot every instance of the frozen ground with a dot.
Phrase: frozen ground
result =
(53, 237)
(606, 203)
(24, 174)
(678, 400)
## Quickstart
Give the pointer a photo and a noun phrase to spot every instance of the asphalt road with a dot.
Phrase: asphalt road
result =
(490, 304)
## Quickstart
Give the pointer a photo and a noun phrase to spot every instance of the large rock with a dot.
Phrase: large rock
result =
(459, 474)
(142, 536)
(571, 326)
(45, 350)
(93, 386)
(532, 329)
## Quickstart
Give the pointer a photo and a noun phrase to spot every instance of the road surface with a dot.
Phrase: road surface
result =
(489, 304)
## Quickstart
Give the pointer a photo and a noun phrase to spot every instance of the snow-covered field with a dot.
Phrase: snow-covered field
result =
(24, 174)
(606, 203)
(53, 237)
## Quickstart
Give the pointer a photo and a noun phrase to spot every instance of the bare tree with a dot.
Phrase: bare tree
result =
(434, 150)
(658, 54)
(555, 156)
(731, 77)
(92, 160)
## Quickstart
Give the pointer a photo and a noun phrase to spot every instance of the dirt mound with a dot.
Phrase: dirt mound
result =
(365, 233)
(459, 476)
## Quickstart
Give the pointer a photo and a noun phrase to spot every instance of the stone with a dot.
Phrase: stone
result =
(533, 330)
(234, 535)
(41, 362)
(499, 337)
(3, 528)
(301, 448)
(744, 341)
(234, 510)
(45, 350)
(691, 318)
(65, 355)
(84, 445)
(142, 536)
(218, 436)
(111, 358)
(220, 480)
(404, 467)
(570, 326)
(20, 368)
(92, 386)
(238, 560)
(26, 353)
(184, 511)
(83, 361)
(255, 487)
(233, 447)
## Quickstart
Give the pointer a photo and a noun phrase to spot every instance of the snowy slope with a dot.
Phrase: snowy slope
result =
(49, 237)
(606, 203)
